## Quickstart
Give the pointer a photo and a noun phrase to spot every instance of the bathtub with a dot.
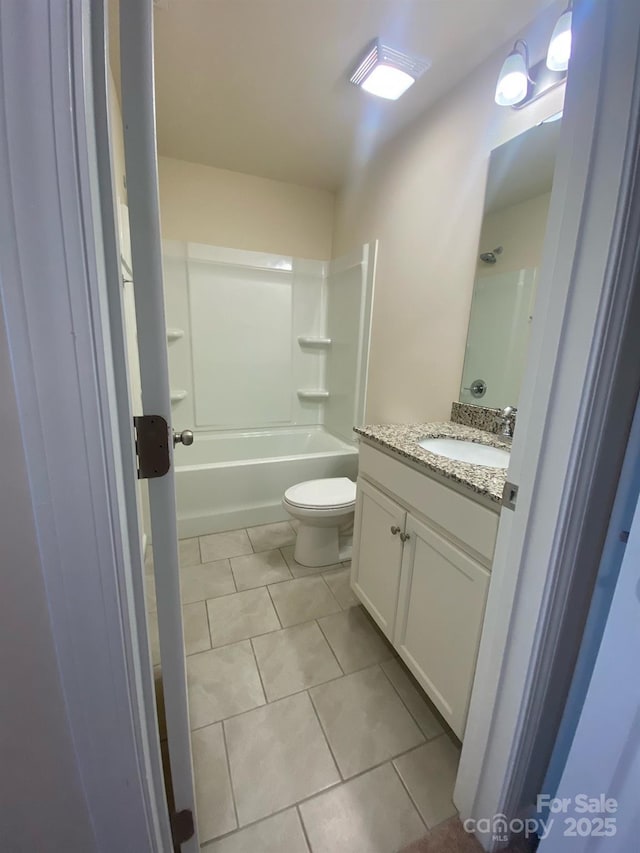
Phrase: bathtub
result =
(231, 480)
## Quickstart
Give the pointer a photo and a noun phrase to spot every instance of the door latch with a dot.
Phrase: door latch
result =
(509, 495)
(152, 446)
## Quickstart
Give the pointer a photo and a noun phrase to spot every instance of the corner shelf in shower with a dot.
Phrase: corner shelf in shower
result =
(314, 342)
(313, 394)
(177, 395)
(174, 334)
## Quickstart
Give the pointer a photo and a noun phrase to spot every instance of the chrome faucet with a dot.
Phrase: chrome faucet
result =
(507, 420)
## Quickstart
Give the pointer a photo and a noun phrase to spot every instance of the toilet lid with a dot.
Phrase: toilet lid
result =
(330, 492)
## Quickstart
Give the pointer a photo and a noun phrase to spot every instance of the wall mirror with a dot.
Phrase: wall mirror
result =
(513, 230)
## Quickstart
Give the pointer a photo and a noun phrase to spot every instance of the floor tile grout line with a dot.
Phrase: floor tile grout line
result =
(414, 803)
(444, 726)
(408, 709)
(246, 533)
(266, 583)
(234, 642)
(338, 605)
(307, 618)
(379, 764)
(423, 742)
(304, 828)
(310, 571)
(333, 652)
(280, 698)
(332, 786)
(228, 760)
(297, 693)
(343, 674)
(227, 594)
(255, 660)
(307, 687)
(264, 634)
(273, 604)
(342, 783)
(206, 607)
(280, 811)
(249, 589)
(324, 734)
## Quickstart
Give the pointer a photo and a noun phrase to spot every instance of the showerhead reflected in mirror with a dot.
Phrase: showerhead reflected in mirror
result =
(509, 255)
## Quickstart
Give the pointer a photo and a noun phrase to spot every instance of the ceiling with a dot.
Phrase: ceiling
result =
(261, 86)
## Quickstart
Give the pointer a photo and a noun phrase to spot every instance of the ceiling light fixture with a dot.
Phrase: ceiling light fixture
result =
(559, 51)
(387, 73)
(513, 80)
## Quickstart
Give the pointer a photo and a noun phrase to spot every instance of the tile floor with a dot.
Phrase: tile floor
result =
(308, 733)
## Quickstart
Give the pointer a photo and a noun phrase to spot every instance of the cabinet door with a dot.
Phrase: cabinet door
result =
(377, 554)
(440, 615)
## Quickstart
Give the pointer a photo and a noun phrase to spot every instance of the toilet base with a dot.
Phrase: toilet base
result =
(317, 546)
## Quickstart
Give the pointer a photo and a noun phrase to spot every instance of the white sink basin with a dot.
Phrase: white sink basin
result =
(467, 451)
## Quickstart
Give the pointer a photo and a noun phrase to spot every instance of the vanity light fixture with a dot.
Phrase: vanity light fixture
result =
(519, 84)
(386, 72)
(559, 51)
(513, 80)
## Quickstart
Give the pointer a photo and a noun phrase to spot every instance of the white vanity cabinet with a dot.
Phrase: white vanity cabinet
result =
(379, 522)
(439, 618)
(421, 559)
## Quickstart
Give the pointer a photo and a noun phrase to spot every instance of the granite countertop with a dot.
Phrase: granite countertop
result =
(402, 440)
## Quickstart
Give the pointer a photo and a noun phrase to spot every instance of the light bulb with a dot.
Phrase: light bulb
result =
(388, 82)
(560, 45)
(513, 80)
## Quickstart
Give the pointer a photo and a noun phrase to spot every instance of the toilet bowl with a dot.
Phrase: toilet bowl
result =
(322, 508)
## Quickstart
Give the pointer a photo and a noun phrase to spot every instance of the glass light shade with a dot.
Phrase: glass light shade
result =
(560, 45)
(513, 80)
(388, 82)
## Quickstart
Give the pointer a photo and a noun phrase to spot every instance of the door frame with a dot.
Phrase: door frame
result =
(606, 758)
(67, 347)
(576, 363)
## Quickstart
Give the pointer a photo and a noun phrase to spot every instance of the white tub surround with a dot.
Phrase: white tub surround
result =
(274, 351)
(268, 341)
(230, 480)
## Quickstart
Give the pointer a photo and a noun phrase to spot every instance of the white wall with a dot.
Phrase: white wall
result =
(43, 806)
(202, 204)
(422, 197)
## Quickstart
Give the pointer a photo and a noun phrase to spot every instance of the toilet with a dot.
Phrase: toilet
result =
(322, 508)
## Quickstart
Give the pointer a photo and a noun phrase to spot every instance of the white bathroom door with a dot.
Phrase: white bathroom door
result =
(138, 109)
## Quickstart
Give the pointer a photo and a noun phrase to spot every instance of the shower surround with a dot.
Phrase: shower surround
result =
(268, 363)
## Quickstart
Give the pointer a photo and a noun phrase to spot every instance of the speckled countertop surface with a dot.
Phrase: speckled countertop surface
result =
(402, 440)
